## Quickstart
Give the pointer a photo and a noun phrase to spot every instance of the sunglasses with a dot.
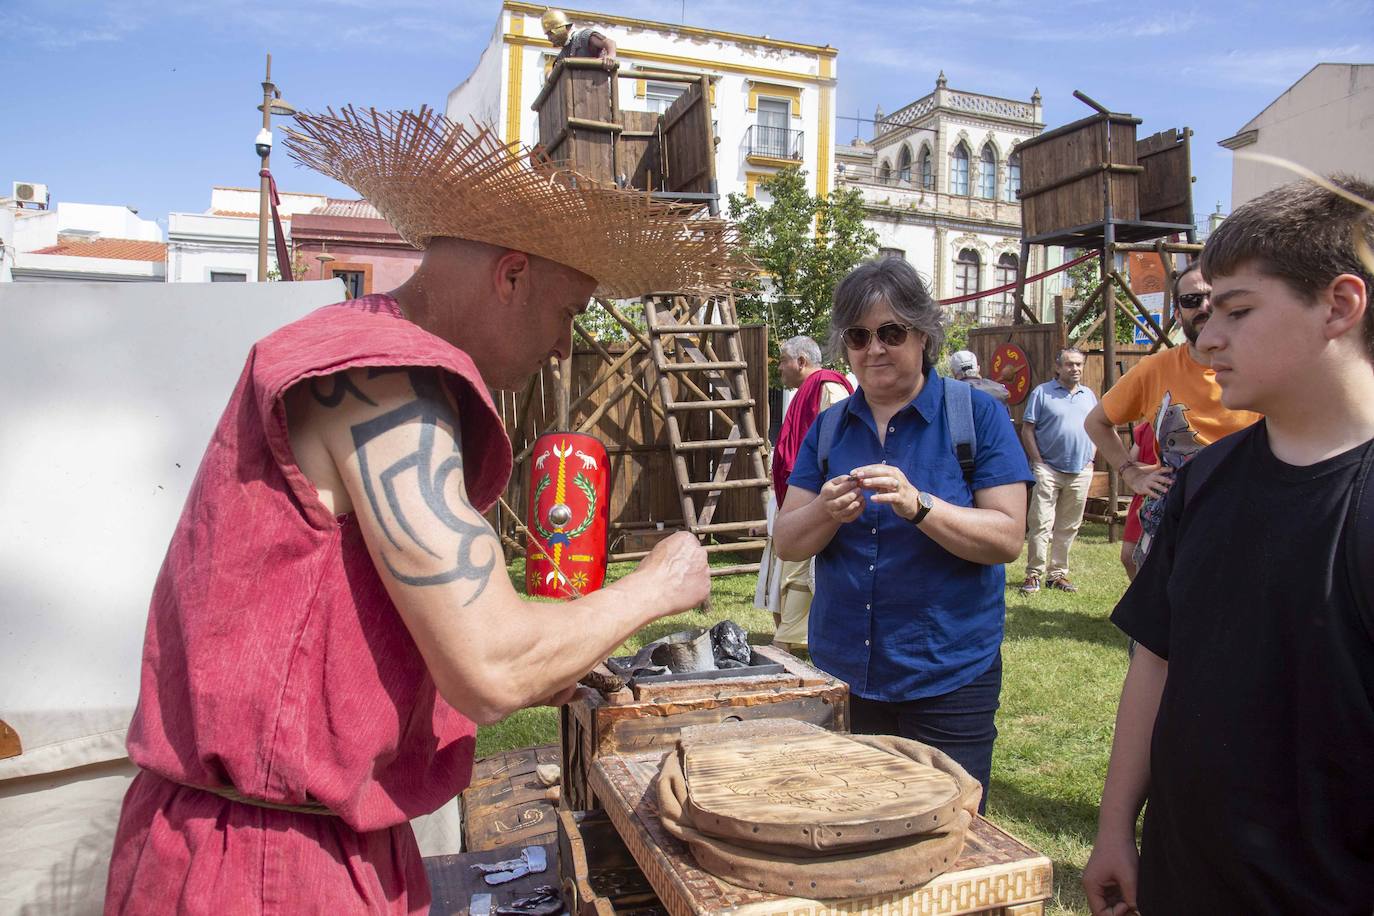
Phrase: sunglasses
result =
(891, 335)
(1192, 300)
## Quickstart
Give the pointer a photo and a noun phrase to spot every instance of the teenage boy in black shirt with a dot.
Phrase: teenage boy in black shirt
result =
(1247, 716)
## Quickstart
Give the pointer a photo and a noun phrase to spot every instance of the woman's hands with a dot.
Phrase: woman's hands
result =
(887, 484)
(842, 499)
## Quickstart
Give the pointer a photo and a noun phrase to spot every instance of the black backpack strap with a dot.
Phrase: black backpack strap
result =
(1201, 468)
(959, 416)
(830, 426)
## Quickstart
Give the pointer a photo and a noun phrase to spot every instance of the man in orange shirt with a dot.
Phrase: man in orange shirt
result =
(1176, 391)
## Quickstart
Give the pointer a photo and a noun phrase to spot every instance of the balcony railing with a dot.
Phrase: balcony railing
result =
(773, 142)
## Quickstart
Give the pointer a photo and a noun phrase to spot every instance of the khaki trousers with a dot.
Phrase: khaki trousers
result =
(1057, 504)
(794, 602)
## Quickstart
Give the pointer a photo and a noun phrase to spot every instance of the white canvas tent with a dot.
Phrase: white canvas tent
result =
(108, 396)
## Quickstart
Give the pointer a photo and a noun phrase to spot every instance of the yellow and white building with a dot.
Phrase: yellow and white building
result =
(772, 101)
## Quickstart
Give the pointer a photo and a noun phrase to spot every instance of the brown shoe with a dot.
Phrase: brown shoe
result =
(1061, 583)
(1031, 585)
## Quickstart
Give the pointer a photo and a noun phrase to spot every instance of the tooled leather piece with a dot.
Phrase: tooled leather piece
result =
(887, 865)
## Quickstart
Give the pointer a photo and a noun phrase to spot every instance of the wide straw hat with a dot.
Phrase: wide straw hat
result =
(430, 177)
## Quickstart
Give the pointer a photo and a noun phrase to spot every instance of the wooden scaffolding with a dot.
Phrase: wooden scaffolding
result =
(1090, 185)
(675, 401)
(674, 404)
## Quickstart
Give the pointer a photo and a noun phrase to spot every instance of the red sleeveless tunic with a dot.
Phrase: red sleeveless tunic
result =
(274, 662)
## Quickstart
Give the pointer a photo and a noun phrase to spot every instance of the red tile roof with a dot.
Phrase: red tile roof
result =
(359, 209)
(118, 249)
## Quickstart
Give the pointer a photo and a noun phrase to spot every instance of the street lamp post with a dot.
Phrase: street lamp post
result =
(272, 103)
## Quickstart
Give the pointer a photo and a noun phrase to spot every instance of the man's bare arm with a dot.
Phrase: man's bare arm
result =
(395, 444)
(1147, 480)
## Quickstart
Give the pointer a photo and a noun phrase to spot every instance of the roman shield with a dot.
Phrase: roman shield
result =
(568, 516)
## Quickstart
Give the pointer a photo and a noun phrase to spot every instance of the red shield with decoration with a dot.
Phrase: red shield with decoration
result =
(1010, 367)
(568, 516)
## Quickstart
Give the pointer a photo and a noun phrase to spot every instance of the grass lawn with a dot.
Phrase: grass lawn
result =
(1063, 667)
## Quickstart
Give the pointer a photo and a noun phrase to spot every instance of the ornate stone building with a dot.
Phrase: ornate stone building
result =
(939, 181)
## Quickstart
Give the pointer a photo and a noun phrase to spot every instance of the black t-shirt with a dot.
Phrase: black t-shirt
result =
(1262, 763)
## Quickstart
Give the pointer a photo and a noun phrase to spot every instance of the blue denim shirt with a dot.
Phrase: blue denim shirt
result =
(895, 615)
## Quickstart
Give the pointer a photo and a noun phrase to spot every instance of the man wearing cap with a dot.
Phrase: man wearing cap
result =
(963, 365)
(581, 43)
(1061, 457)
(334, 617)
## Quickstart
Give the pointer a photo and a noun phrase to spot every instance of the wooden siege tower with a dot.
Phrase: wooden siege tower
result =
(1092, 186)
(687, 363)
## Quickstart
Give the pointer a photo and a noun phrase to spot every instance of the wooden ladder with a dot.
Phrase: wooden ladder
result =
(695, 380)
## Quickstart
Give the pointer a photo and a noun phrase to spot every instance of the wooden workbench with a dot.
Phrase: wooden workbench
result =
(995, 873)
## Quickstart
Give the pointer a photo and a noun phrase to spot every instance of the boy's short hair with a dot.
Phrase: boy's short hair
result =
(1304, 235)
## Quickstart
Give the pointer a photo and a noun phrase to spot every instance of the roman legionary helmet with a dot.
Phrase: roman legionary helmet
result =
(553, 20)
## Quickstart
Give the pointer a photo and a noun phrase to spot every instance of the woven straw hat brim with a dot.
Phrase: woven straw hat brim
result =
(430, 178)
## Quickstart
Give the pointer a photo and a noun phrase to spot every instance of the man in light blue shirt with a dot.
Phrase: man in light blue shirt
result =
(1061, 458)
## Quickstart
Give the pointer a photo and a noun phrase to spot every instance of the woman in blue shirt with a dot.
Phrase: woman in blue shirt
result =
(908, 606)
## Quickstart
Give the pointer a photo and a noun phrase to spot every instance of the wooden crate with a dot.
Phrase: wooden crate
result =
(597, 873)
(505, 806)
(1065, 172)
(578, 118)
(994, 874)
(650, 717)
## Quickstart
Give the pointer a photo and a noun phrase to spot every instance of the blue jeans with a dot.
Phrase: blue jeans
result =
(961, 723)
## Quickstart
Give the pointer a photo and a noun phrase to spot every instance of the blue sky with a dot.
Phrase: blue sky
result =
(151, 103)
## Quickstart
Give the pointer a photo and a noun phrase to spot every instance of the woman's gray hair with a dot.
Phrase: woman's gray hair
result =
(802, 347)
(894, 281)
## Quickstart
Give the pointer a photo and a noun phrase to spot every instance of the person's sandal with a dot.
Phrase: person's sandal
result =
(1061, 583)
(1031, 585)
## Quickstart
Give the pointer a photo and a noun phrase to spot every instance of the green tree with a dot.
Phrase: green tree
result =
(805, 245)
(1084, 279)
(957, 326)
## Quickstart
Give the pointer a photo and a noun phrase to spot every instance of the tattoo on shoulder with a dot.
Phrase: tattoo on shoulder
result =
(330, 390)
(428, 470)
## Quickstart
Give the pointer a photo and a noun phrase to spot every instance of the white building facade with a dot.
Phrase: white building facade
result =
(1324, 121)
(939, 182)
(74, 241)
(221, 244)
(772, 101)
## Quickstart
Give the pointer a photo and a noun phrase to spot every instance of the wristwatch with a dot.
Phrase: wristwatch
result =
(926, 503)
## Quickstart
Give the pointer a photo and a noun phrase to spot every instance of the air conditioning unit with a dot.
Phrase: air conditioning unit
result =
(30, 194)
